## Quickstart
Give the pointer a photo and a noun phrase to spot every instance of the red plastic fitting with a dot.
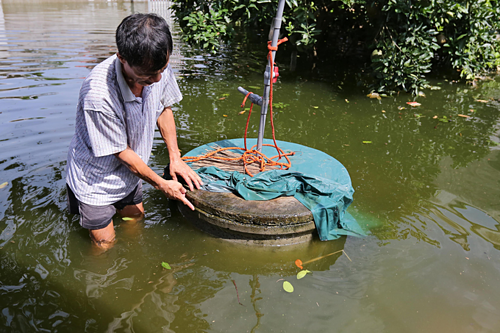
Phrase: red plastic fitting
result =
(276, 74)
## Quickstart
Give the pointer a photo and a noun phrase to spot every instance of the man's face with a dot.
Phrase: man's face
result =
(135, 75)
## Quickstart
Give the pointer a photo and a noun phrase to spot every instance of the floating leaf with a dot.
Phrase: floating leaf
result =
(421, 94)
(435, 117)
(127, 218)
(374, 95)
(413, 103)
(367, 142)
(288, 287)
(298, 262)
(346, 100)
(481, 101)
(254, 87)
(165, 265)
(303, 273)
(224, 115)
(401, 108)
(463, 115)
(222, 98)
(315, 107)
(3, 185)
(241, 112)
(280, 105)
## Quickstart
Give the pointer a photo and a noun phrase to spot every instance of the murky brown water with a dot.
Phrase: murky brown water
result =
(428, 189)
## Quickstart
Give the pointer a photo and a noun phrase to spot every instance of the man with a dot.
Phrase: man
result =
(119, 104)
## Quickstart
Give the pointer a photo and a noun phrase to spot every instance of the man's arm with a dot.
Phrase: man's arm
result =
(171, 188)
(178, 167)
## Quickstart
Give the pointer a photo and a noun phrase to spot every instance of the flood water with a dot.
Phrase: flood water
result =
(427, 190)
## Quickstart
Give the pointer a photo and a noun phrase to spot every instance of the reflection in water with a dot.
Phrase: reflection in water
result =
(254, 297)
(156, 303)
(430, 186)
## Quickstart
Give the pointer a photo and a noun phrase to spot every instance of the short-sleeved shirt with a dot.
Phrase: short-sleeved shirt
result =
(109, 118)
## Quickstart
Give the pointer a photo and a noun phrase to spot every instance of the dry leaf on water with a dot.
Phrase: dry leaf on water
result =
(413, 103)
(374, 95)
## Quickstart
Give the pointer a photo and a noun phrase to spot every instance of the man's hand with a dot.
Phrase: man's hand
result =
(179, 168)
(171, 188)
(174, 190)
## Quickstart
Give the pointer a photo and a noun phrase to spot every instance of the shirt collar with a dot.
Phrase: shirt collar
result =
(127, 94)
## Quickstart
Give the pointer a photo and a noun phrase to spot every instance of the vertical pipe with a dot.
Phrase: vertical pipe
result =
(276, 26)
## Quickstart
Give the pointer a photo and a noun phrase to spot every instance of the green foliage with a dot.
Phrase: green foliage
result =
(300, 22)
(415, 36)
(407, 39)
(207, 23)
(206, 29)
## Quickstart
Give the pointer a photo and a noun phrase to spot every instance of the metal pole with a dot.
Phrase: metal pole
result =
(268, 76)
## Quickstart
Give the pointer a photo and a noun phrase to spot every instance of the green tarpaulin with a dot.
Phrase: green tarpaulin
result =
(317, 180)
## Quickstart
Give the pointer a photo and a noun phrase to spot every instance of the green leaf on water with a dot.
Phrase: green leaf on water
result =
(367, 142)
(165, 265)
(280, 105)
(288, 287)
(315, 107)
(254, 87)
(127, 218)
(302, 273)
(3, 185)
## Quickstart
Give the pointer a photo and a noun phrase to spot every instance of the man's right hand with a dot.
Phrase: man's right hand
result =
(171, 188)
(174, 190)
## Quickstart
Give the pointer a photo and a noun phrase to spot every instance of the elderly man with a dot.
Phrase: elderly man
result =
(120, 102)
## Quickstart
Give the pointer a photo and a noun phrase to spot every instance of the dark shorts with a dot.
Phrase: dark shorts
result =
(98, 217)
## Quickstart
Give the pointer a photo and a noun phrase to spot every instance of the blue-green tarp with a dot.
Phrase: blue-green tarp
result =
(317, 180)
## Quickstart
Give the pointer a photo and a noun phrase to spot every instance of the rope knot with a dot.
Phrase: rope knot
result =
(275, 48)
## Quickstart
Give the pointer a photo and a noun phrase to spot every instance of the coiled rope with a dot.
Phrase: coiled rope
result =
(251, 155)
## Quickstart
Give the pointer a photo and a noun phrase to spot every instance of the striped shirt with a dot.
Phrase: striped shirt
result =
(109, 117)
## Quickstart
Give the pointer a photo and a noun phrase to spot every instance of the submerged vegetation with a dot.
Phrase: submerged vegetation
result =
(397, 42)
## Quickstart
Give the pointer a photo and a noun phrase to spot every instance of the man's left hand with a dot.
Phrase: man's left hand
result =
(180, 168)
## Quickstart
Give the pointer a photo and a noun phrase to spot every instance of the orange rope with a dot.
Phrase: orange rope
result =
(248, 157)
(271, 61)
(252, 155)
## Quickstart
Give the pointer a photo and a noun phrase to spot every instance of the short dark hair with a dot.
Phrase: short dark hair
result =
(144, 41)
